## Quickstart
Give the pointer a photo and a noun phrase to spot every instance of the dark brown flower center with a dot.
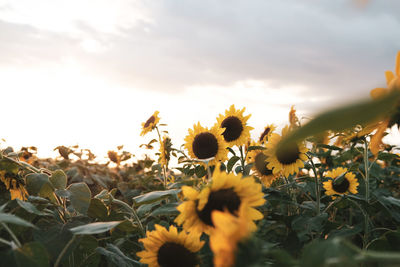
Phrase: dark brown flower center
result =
(233, 128)
(264, 134)
(172, 255)
(341, 187)
(149, 121)
(261, 164)
(219, 200)
(288, 154)
(205, 145)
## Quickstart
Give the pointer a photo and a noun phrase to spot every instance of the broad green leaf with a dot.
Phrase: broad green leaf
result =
(250, 148)
(10, 218)
(80, 197)
(58, 179)
(168, 209)
(345, 117)
(154, 196)
(94, 228)
(29, 207)
(115, 256)
(35, 182)
(231, 163)
(32, 254)
(97, 209)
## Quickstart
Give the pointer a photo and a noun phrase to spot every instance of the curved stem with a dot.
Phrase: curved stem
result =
(64, 251)
(13, 236)
(317, 191)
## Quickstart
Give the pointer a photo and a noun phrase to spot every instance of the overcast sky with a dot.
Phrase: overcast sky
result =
(90, 72)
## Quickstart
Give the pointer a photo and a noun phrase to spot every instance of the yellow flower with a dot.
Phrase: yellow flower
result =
(114, 157)
(150, 124)
(225, 192)
(293, 120)
(268, 130)
(393, 83)
(347, 185)
(228, 232)
(169, 248)
(16, 189)
(234, 124)
(258, 158)
(287, 160)
(165, 151)
(204, 144)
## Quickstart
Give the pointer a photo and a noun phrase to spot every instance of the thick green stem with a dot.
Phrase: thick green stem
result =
(317, 191)
(366, 171)
(13, 236)
(6, 242)
(163, 167)
(242, 160)
(132, 211)
(64, 251)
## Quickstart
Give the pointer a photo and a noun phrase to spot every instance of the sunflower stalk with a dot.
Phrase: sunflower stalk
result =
(242, 160)
(132, 212)
(317, 191)
(163, 167)
(13, 236)
(366, 171)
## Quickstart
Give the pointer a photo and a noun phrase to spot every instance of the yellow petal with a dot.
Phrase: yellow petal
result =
(376, 140)
(378, 92)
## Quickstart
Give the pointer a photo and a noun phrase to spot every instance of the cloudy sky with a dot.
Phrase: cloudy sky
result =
(90, 72)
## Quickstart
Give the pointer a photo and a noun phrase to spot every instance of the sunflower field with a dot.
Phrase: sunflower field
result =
(324, 192)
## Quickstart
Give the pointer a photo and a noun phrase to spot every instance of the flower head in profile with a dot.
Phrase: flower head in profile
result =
(259, 160)
(168, 248)
(226, 192)
(268, 130)
(234, 125)
(203, 143)
(14, 185)
(393, 83)
(229, 231)
(165, 151)
(150, 124)
(340, 182)
(294, 121)
(287, 159)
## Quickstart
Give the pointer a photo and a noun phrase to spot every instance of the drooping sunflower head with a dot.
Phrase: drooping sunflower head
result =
(225, 192)
(168, 248)
(293, 119)
(114, 157)
(229, 231)
(259, 160)
(268, 130)
(234, 125)
(165, 151)
(150, 124)
(340, 182)
(286, 159)
(14, 185)
(203, 143)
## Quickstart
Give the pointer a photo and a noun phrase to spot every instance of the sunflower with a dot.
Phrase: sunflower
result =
(393, 83)
(225, 192)
(234, 124)
(287, 160)
(16, 187)
(168, 248)
(258, 158)
(203, 144)
(229, 231)
(165, 151)
(150, 124)
(343, 186)
(268, 130)
(293, 119)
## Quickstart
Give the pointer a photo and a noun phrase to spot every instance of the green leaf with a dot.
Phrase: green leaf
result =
(155, 196)
(80, 197)
(115, 256)
(10, 218)
(168, 209)
(38, 184)
(58, 179)
(32, 254)
(231, 162)
(250, 148)
(29, 207)
(345, 117)
(200, 171)
(94, 228)
(97, 209)
(231, 150)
